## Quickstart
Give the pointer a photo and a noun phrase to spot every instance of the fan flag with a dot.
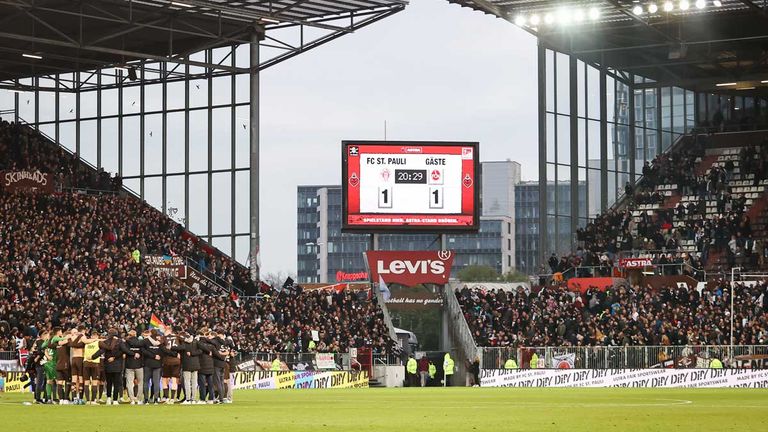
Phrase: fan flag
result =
(155, 323)
(235, 298)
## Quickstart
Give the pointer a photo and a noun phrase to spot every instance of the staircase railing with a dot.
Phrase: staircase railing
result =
(458, 326)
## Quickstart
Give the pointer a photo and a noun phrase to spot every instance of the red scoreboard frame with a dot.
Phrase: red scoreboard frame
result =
(354, 220)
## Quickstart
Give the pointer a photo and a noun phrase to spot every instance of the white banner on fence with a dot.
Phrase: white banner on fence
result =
(654, 378)
(564, 361)
(325, 361)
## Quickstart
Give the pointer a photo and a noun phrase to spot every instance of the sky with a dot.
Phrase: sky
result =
(435, 71)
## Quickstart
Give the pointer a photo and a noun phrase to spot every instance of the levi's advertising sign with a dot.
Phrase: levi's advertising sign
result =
(410, 268)
(410, 185)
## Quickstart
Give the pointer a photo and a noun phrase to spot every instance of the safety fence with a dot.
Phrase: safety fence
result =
(628, 357)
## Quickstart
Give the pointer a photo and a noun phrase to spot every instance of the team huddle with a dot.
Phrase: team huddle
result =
(78, 367)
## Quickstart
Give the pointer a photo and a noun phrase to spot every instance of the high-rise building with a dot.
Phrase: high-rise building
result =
(325, 254)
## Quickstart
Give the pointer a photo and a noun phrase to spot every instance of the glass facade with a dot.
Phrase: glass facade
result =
(528, 254)
(178, 135)
(597, 127)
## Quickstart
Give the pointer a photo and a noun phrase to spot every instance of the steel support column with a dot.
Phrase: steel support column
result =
(542, 103)
(632, 149)
(209, 58)
(233, 156)
(163, 67)
(256, 36)
(573, 76)
(76, 75)
(603, 140)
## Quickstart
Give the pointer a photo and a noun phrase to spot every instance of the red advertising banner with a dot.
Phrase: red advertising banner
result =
(13, 181)
(635, 263)
(342, 276)
(410, 267)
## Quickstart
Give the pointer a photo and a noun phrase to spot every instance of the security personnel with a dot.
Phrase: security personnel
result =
(136, 255)
(510, 364)
(432, 370)
(411, 368)
(715, 364)
(276, 366)
(447, 369)
(534, 361)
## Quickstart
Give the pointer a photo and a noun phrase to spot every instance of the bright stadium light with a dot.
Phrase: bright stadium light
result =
(668, 6)
(637, 10)
(652, 8)
(717, 3)
(535, 20)
(594, 14)
(764, 81)
(32, 56)
(520, 20)
(549, 18)
(701, 4)
(684, 5)
(725, 84)
(578, 15)
(564, 16)
(179, 4)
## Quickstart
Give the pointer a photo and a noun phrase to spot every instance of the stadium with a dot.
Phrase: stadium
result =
(629, 289)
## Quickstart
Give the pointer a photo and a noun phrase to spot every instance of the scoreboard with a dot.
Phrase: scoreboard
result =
(396, 186)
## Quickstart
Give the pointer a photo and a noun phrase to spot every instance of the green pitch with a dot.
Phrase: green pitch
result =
(431, 409)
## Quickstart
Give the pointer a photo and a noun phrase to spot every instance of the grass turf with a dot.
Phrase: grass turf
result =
(415, 409)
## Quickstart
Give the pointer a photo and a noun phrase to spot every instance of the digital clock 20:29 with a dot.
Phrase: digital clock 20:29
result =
(411, 176)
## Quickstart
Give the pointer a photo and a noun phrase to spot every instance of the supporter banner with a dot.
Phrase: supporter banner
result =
(13, 181)
(635, 263)
(197, 281)
(564, 361)
(410, 267)
(267, 380)
(599, 283)
(166, 265)
(325, 361)
(12, 383)
(652, 378)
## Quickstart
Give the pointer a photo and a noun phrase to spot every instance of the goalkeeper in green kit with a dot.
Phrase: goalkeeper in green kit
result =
(51, 357)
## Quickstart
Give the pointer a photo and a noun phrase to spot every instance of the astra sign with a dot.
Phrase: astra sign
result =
(410, 267)
(635, 263)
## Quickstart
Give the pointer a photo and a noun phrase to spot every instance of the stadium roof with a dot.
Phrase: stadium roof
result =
(695, 44)
(43, 37)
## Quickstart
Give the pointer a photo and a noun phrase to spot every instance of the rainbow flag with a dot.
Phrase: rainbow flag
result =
(156, 323)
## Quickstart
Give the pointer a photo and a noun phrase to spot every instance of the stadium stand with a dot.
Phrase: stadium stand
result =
(66, 259)
(693, 210)
(556, 316)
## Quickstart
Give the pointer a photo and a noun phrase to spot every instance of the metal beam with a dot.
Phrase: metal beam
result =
(118, 52)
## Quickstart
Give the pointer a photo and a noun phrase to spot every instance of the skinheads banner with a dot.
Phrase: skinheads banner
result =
(269, 380)
(410, 268)
(13, 181)
(650, 378)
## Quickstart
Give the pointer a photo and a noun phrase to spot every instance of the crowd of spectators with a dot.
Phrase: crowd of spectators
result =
(553, 315)
(668, 230)
(68, 258)
(23, 149)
